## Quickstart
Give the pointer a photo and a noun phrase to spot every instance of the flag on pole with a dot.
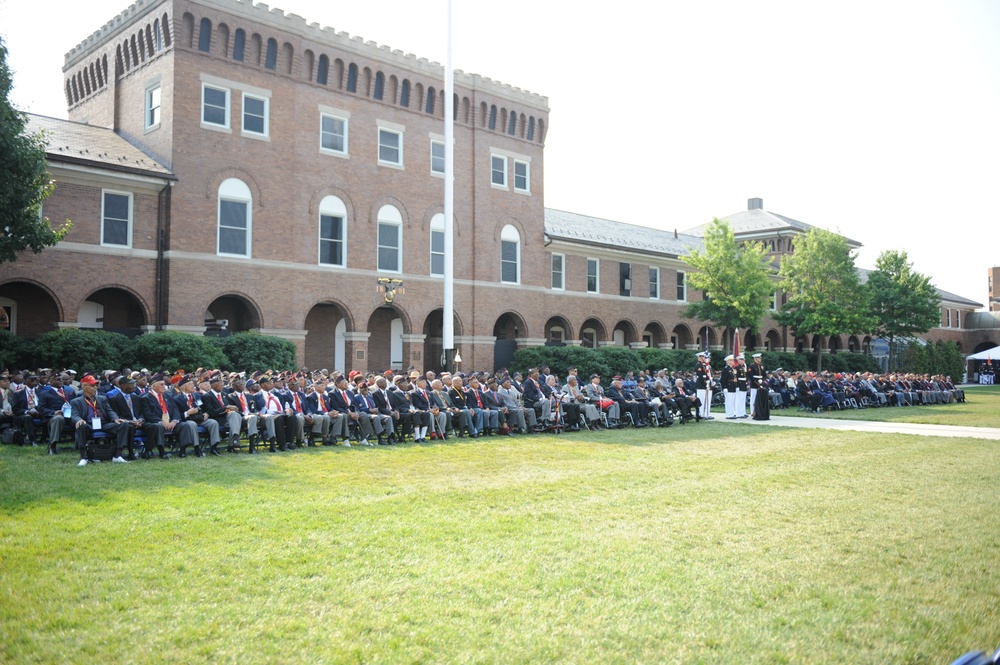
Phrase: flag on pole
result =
(988, 361)
(736, 343)
(706, 339)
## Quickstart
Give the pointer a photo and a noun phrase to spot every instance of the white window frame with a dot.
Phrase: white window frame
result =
(148, 107)
(389, 216)
(227, 110)
(332, 206)
(508, 235)
(653, 270)
(493, 171)
(682, 284)
(267, 117)
(390, 128)
(247, 198)
(437, 226)
(129, 221)
(775, 299)
(527, 177)
(561, 272)
(597, 275)
(342, 116)
(434, 172)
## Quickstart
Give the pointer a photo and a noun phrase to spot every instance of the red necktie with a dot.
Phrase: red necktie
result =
(321, 402)
(190, 401)
(298, 405)
(243, 402)
(163, 405)
(478, 401)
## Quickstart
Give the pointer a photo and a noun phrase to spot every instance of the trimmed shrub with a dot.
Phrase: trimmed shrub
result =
(14, 351)
(81, 349)
(171, 351)
(252, 351)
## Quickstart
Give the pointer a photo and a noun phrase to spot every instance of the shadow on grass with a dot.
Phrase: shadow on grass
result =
(29, 477)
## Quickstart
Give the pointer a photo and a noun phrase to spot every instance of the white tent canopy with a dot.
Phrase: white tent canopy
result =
(992, 354)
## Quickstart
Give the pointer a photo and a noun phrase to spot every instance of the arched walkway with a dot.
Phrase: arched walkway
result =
(231, 313)
(434, 339)
(325, 326)
(508, 328)
(386, 326)
(30, 309)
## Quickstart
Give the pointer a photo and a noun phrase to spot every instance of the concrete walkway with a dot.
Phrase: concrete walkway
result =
(866, 426)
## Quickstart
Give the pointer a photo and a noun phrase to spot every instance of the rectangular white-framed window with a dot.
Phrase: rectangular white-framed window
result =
(390, 147)
(654, 283)
(681, 287)
(510, 263)
(559, 272)
(333, 134)
(437, 157)
(331, 240)
(437, 252)
(235, 217)
(522, 176)
(958, 318)
(389, 247)
(593, 275)
(116, 218)
(947, 318)
(256, 115)
(776, 301)
(498, 171)
(214, 107)
(152, 108)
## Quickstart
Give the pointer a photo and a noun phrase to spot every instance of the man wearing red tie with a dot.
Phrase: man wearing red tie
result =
(90, 413)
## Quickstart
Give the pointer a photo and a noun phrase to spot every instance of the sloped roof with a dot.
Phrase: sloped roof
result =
(75, 142)
(760, 221)
(942, 294)
(617, 235)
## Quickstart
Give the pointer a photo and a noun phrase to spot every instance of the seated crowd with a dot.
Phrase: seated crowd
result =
(138, 414)
(826, 390)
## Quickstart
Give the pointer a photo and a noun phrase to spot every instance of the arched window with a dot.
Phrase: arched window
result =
(379, 85)
(430, 101)
(512, 125)
(332, 232)
(510, 255)
(404, 94)
(437, 245)
(271, 59)
(157, 37)
(235, 218)
(352, 78)
(323, 71)
(239, 45)
(390, 239)
(493, 117)
(204, 36)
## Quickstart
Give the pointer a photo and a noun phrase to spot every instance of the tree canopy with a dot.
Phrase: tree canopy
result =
(736, 279)
(24, 179)
(903, 302)
(824, 292)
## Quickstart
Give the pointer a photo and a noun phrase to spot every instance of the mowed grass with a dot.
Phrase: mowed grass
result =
(981, 408)
(696, 544)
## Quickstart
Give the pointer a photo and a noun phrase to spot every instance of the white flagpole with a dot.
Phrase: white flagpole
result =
(448, 316)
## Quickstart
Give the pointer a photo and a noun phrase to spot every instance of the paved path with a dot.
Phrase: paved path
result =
(867, 426)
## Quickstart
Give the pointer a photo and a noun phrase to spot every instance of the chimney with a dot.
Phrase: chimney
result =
(675, 234)
(755, 204)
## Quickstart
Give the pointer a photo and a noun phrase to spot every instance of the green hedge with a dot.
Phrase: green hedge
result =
(96, 350)
(611, 360)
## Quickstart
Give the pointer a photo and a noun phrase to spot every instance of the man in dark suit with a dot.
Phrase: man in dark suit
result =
(214, 406)
(477, 400)
(54, 408)
(245, 406)
(365, 403)
(162, 418)
(458, 397)
(399, 399)
(380, 394)
(189, 402)
(25, 407)
(328, 425)
(626, 404)
(341, 403)
(129, 408)
(91, 412)
(534, 398)
(424, 410)
(272, 412)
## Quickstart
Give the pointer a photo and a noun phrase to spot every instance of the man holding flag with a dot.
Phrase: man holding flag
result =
(704, 380)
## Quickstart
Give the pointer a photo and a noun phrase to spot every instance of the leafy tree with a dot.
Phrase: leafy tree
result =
(253, 351)
(736, 279)
(903, 302)
(171, 350)
(24, 179)
(825, 294)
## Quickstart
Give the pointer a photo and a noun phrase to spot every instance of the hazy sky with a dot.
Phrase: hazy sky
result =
(880, 120)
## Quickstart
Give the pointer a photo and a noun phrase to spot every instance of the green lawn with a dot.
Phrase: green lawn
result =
(980, 409)
(679, 545)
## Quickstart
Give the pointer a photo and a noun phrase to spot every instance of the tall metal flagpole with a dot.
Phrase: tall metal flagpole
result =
(448, 314)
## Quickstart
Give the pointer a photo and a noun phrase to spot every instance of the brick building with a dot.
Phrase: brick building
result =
(229, 167)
